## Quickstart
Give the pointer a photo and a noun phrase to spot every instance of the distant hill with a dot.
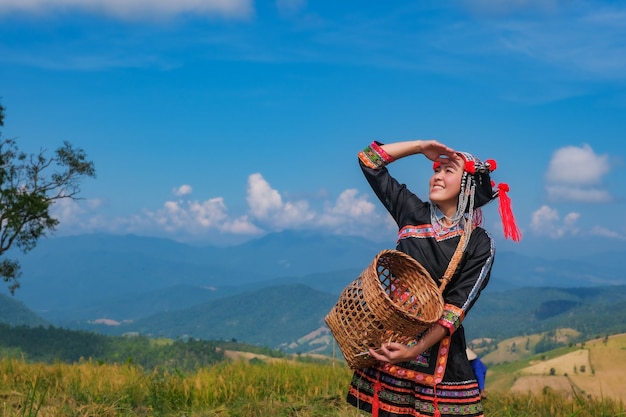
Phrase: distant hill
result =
(15, 313)
(290, 316)
(271, 316)
(593, 311)
(76, 281)
(89, 271)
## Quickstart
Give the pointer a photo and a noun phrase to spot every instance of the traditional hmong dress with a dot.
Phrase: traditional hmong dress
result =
(439, 382)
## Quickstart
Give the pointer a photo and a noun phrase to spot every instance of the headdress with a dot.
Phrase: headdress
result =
(471, 355)
(477, 189)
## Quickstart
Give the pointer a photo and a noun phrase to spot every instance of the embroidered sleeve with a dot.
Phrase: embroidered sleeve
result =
(374, 156)
(452, 317)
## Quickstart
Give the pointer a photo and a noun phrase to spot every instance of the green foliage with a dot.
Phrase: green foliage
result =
(167, 394)
(15, 313)
(29, 185)
(51, 344)
(548, 342)
(553, 308)
(34, 398)
(251, 317)
(502, 315)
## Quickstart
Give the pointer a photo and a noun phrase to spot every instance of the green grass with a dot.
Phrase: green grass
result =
(279, 388)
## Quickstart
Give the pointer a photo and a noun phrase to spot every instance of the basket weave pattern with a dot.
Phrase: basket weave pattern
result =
(394, 299)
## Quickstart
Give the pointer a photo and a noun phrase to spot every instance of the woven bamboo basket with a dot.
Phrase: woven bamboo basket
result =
(394, 299)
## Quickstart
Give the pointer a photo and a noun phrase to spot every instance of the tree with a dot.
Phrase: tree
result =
(29, 185)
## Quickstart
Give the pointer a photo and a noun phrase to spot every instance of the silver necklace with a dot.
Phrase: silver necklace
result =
(437, 217)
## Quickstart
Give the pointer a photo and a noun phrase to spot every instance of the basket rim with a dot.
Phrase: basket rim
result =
(425, 276)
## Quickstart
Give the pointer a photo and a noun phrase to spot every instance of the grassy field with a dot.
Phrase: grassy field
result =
(240, 388)
(591, 369)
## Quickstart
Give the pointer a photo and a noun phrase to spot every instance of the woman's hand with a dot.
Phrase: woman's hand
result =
(436, 151)
(393, 353)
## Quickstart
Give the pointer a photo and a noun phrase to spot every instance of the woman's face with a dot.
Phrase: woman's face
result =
(445, 185)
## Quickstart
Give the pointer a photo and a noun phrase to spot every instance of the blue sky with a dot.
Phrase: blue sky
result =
(217, 121)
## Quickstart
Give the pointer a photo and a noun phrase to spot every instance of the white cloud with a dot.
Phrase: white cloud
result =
(72, 213)
(208, 213)
(577, 165)
(348, 204)
(575, 174)
(183, 190)
(134, 9)
(268, 211)
(547, 222)
(186, 219)
(210, 220)
(262, 199)
(610, 233)
(348, 207)
(266, 205)
(241, 226)
(190, 216)
(354, 214)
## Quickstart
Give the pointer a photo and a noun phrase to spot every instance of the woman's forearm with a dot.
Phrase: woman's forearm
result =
(399, 150)
(431, 149)
(434, 334)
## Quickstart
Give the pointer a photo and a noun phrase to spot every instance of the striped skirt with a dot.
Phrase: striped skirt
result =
(384, 395)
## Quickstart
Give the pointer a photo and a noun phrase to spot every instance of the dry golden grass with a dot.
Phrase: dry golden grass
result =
(569, 363)
(92, 389)
(593, 369)
(282, 388)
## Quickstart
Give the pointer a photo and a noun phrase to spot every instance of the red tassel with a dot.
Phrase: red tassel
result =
(436, 402)
(511, 231)
(470, 167)
(492, 165)
(375, 402)
(436, 165)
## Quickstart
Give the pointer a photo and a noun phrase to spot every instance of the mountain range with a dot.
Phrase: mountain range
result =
(276, 290)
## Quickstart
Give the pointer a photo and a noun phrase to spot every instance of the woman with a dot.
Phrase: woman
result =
(432, 376)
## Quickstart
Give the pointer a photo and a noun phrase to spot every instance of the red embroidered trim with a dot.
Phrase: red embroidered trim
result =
(386, 157)
(452, 317)
(423, 377)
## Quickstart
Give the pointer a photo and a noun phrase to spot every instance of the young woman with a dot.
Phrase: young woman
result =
(432, 376)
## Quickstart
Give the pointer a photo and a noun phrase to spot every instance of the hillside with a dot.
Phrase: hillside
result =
(15, 313)
(101, 274)
(593, 311)
(118, 284)
(290, 317)
(79, 278)
(274, 317)
(592, 368)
